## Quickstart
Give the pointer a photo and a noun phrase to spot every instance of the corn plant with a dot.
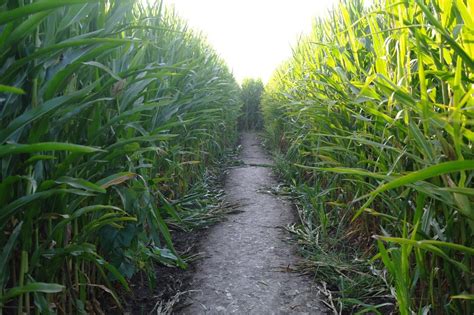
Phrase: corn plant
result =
(375, 110)
(251, 114)
(110, 111)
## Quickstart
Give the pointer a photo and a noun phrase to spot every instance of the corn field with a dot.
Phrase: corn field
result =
(113, 113)
(373, 118)
(106, 109)
(250, 95)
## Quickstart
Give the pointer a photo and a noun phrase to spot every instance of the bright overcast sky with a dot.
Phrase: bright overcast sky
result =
(252, 36)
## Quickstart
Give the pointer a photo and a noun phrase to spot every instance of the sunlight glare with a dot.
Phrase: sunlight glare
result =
(252, 36)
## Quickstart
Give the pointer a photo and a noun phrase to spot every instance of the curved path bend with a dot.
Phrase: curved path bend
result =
(248, 259)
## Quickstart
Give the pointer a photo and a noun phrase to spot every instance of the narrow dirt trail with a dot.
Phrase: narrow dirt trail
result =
(247, 257)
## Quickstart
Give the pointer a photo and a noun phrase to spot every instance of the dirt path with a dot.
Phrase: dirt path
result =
(245, 269)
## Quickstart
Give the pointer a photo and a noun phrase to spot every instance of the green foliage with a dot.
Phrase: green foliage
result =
(110, 111)
(251, 115)
(374, 113)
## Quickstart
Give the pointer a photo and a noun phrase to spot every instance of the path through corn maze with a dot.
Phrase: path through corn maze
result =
(248, 260)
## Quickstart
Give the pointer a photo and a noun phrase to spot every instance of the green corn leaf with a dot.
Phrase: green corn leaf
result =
(37, 112)
(10, 89)
(429, 172)
(60, 79)
(25, 28)
(434, 21)
(30, 288)
(9, 149)
(454, 246)
(115, 179)
(15, 206)
(103, 67)
(82, 211)
(36, 7)
(80, 184)
(463, 297)
(57, 48)
(7, 252)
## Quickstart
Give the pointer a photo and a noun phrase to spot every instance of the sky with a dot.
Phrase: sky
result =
(252, 36)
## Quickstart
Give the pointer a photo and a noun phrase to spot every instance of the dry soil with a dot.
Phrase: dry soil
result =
(248, 260)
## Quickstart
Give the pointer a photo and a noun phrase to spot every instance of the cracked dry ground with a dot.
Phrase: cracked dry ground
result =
(247, 257)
